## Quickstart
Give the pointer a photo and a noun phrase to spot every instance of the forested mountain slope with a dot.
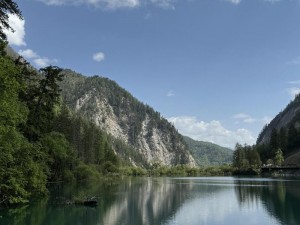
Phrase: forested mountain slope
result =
(206, 153)
(289, 117)
(122, 116)
(283, 133)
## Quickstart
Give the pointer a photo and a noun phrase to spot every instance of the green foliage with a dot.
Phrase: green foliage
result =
(87, 172)
(21, 163)
(41, 100)
(282, 132)
(278, 159)
(41, 140)
(90, 144)
(208, 154)
(61, 157)
(7, 7)
(246, 157)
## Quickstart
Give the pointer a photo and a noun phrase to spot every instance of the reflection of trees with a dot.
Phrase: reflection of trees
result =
(135, 201)
(146, 202)
(280, 199)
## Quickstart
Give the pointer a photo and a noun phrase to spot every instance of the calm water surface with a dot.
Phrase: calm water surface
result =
(168, 201)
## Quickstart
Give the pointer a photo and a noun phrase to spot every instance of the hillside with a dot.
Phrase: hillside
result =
(206, 153)
(117, 112)
(283, 133)
(287, 118)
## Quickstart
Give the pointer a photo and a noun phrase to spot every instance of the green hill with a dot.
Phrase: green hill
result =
(206, 153)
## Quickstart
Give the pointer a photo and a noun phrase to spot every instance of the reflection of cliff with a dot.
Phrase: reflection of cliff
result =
(146, 202)
(140, 201)
(281, 199)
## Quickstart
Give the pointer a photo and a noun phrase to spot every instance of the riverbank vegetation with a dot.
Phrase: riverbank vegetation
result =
(41, 141)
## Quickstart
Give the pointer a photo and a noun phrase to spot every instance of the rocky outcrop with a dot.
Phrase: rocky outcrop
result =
(121, 115)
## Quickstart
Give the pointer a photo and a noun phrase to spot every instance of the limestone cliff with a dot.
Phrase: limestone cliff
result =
(121, 115)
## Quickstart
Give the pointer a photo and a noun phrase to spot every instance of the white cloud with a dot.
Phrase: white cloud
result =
(234, 1)
(18, 25)
(28, 54)
(99, 56)
(212, 131)
(166, 4)
(37, 60)
(44, 61)
(171, 94)
(112, 4)
(293, 91)
(266, 119)
(272, 1)
(244, 118)
(107, 4)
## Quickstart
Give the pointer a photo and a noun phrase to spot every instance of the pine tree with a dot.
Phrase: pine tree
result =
(278, 159)
(274, 142)
(7, 7)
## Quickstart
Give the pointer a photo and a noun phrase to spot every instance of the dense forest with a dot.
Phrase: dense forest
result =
(209, 154)
(41, 140)
(277, 141)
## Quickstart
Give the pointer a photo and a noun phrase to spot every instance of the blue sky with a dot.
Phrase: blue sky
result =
(218, 69)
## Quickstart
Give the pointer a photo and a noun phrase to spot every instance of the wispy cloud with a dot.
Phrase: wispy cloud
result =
(166, 4)
(129, 4)
(272, 1)
(294, 82)
(18, 36)
(99, 56)
(106, 4)
(293, 91)
(212, 131)
(39, 61)
(170, 93)
(295, 61)
(234, 1)
(28, 54)
(246, 118)
(44, 61)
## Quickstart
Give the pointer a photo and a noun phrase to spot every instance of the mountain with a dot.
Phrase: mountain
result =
(283, 132)
(206, 153)
(287, 118)
(144, 133)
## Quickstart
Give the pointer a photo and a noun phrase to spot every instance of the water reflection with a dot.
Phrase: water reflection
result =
(167, 201)
(280, 198)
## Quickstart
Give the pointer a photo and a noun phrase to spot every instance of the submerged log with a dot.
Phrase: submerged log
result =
(87, 202)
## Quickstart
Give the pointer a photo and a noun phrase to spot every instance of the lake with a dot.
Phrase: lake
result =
(168, 201)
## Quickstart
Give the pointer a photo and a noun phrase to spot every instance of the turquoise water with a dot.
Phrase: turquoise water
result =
(168, 201)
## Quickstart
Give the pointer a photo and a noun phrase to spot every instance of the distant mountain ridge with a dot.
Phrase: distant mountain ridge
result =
(206, 153)
(121, 115)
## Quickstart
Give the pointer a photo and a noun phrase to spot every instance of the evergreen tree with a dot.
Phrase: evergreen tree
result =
(7, 7)
(41, 102)
(22, 167)
(239, 157)
(278, 159)
(283, 139)
(274, 142)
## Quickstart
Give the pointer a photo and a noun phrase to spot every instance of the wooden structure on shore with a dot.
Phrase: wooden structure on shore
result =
(288, 168)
